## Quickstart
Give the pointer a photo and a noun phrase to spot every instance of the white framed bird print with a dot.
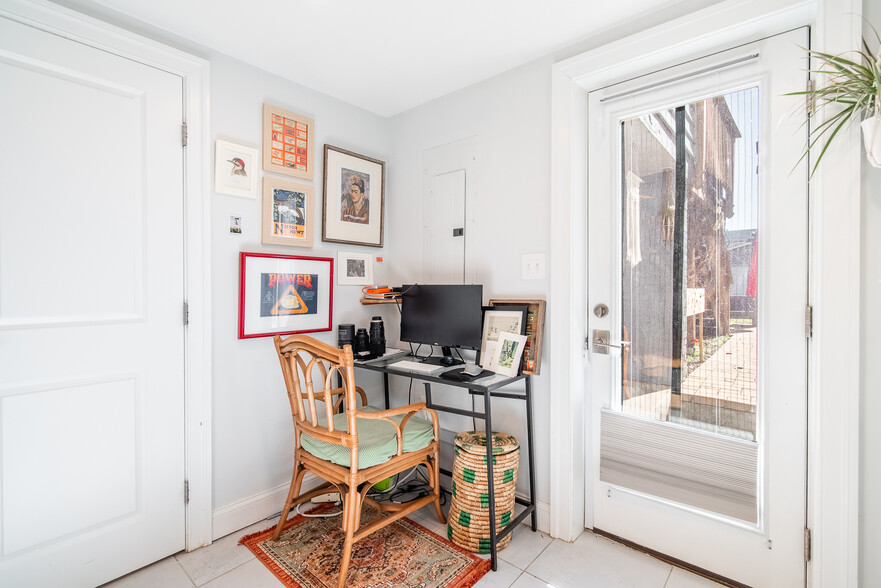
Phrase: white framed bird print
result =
(235, 169)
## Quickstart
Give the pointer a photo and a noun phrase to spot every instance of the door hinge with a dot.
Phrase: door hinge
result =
(183, 134)
(186, 491)
(186, 313)
(808, 544)
(811, 98)
(809, 321)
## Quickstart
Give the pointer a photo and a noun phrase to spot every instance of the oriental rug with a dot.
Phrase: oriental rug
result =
(402, 555)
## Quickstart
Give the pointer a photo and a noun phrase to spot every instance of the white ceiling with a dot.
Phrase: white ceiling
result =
(387, 56)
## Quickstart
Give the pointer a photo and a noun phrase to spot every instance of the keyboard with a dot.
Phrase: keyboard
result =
(416, 366)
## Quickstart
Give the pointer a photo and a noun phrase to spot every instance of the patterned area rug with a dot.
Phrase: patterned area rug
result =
(403, 554)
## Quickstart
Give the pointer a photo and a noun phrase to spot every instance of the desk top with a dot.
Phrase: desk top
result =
(485, 384)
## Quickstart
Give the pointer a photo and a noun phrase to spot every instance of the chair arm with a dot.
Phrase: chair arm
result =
(408, 411)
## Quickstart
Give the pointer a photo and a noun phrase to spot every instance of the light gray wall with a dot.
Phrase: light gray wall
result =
(870, 376)
(509, 116)
(252, 431)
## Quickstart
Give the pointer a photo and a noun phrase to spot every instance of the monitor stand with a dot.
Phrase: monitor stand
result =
(446, 359)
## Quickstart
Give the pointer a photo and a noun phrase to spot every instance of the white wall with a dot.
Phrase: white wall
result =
(252, 429)
(870, 376)
(510, 117)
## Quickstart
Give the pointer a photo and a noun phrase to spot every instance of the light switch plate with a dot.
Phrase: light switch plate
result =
(532, 266)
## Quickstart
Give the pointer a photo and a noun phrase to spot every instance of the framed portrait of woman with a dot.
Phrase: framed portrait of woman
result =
(354, 195)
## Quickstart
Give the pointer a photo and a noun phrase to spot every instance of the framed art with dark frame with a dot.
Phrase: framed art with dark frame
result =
(535, 321)
(354, 197)
(496, 321)
(288, 140)
(284, 294)
(288, 213)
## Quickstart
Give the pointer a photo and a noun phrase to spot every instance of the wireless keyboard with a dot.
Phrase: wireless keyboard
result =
(416, 366)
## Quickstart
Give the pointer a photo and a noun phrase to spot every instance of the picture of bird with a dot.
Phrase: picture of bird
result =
(238, 167)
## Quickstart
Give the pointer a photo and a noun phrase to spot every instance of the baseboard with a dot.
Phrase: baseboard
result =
(247, 511)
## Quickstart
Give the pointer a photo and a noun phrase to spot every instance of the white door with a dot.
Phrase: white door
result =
(698, 249)
(91, 330)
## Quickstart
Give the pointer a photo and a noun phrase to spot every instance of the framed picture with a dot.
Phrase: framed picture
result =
(354, 188)
(535, 322)
(288, 213)
(354, 269)
(288, 140)
(284, 294)
(235, 169)
(506, 355)
(498, 321)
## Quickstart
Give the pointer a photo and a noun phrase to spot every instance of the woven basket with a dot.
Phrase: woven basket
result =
(468, 525)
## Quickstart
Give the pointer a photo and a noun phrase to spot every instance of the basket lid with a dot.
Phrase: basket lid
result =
(475, 442)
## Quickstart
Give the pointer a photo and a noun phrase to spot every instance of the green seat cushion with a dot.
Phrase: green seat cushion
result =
(377, 442)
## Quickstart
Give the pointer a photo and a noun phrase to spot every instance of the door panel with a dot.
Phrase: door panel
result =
(700, 412)
(91, 292)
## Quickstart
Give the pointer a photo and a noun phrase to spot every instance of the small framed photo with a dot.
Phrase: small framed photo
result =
(235, 169)
(288, 213)
(506, 355)
(235, 225)
(288, 140)
(354, 269)
(497, 321)
(284, 294)
(535, 321)
(354, 187)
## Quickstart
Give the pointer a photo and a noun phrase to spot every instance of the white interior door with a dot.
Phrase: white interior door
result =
(698, 248)
(91, 331)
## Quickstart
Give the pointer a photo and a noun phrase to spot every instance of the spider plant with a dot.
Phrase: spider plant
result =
(852, 84)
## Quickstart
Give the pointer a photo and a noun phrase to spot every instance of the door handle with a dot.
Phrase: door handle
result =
(600, 342)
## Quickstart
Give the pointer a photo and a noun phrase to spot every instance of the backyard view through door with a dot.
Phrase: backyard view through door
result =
(698, 249)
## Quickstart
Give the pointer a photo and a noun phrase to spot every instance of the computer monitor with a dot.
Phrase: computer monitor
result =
(446, 315)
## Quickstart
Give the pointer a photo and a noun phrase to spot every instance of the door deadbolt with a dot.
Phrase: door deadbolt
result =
(600, 310)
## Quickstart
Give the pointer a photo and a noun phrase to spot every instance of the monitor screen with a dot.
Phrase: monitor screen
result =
(445, 315)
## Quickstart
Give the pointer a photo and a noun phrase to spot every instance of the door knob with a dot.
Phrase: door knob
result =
(600, 342)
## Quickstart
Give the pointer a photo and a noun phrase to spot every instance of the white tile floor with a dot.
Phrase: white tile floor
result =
(532, 560)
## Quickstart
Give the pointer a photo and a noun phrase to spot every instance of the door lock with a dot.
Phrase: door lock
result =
(600, 342)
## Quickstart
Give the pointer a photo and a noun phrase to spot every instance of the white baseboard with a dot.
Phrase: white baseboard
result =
(247, 511)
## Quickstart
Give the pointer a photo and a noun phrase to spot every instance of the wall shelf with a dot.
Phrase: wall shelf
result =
(369, 301)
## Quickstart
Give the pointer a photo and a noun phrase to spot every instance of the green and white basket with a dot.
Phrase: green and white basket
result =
(468, 525)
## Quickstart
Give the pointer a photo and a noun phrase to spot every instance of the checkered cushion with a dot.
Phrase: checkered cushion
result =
(377, 442)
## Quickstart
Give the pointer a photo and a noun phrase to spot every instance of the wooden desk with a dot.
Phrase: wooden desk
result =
(489, 387)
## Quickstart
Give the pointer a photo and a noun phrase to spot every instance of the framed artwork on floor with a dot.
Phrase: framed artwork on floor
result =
(288, 140)
(284, 294)
(354, 187)
(288, 213)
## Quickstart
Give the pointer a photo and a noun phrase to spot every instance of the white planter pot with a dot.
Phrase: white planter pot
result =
(872, 137)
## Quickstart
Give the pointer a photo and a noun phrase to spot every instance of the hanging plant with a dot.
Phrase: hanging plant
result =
(855, 85)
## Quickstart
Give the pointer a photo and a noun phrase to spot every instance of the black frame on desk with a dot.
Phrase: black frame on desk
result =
(488, 388)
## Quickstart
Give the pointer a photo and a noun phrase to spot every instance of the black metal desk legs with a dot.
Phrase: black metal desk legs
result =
(486, 416)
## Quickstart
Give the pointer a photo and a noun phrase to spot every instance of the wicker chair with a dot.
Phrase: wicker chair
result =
(354, 449)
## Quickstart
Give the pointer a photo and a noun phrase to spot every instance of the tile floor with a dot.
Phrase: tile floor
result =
(532, 560)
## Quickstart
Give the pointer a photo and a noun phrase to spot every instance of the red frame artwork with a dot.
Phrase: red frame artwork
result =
(284, 294)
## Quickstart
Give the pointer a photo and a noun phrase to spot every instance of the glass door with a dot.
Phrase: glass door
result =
(699, 374)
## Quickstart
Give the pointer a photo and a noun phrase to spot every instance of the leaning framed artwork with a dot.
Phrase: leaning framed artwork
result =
(505, 358)
(284, 294)
(497, 321)
(288, 140)
(288, 213)
(354, 187)
(535, 321)
(235, 169)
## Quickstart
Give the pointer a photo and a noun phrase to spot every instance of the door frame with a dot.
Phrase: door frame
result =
(194, 73)
(833, 419)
